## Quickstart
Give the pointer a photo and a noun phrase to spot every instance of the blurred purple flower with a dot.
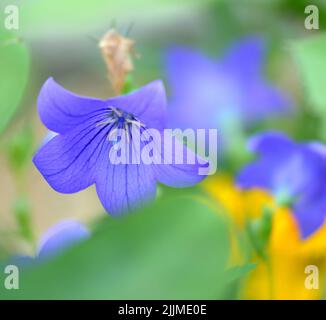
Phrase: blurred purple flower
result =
(54, 241)
(294, 173)
(222, 93)
(79, 155)
(60, 237)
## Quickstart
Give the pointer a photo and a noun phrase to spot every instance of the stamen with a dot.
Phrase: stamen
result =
(116, 111)
(120, 120)
(135, 122)
(105, 122)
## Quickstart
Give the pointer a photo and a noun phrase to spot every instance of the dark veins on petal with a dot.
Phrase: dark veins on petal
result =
(106, 123)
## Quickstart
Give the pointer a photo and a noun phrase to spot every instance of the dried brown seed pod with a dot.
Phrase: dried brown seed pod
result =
(117, 52)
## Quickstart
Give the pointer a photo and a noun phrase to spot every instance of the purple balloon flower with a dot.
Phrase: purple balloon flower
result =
(54, 241)
(79, 155)
(60, 237)
(295, 173)
(225, 93)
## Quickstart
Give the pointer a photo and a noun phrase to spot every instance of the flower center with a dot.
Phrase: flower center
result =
(118, 120)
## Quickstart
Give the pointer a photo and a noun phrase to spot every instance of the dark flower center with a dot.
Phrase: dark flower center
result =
(118, 119)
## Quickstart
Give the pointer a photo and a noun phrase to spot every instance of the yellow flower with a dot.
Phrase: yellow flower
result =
(284, 277)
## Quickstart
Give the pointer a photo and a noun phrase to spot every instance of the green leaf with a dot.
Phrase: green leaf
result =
(13, 75)
(310, 57)
(266, 225)
(236, 273)
(22, 212)
(19, 148)
(259, 231)
(175, 249)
